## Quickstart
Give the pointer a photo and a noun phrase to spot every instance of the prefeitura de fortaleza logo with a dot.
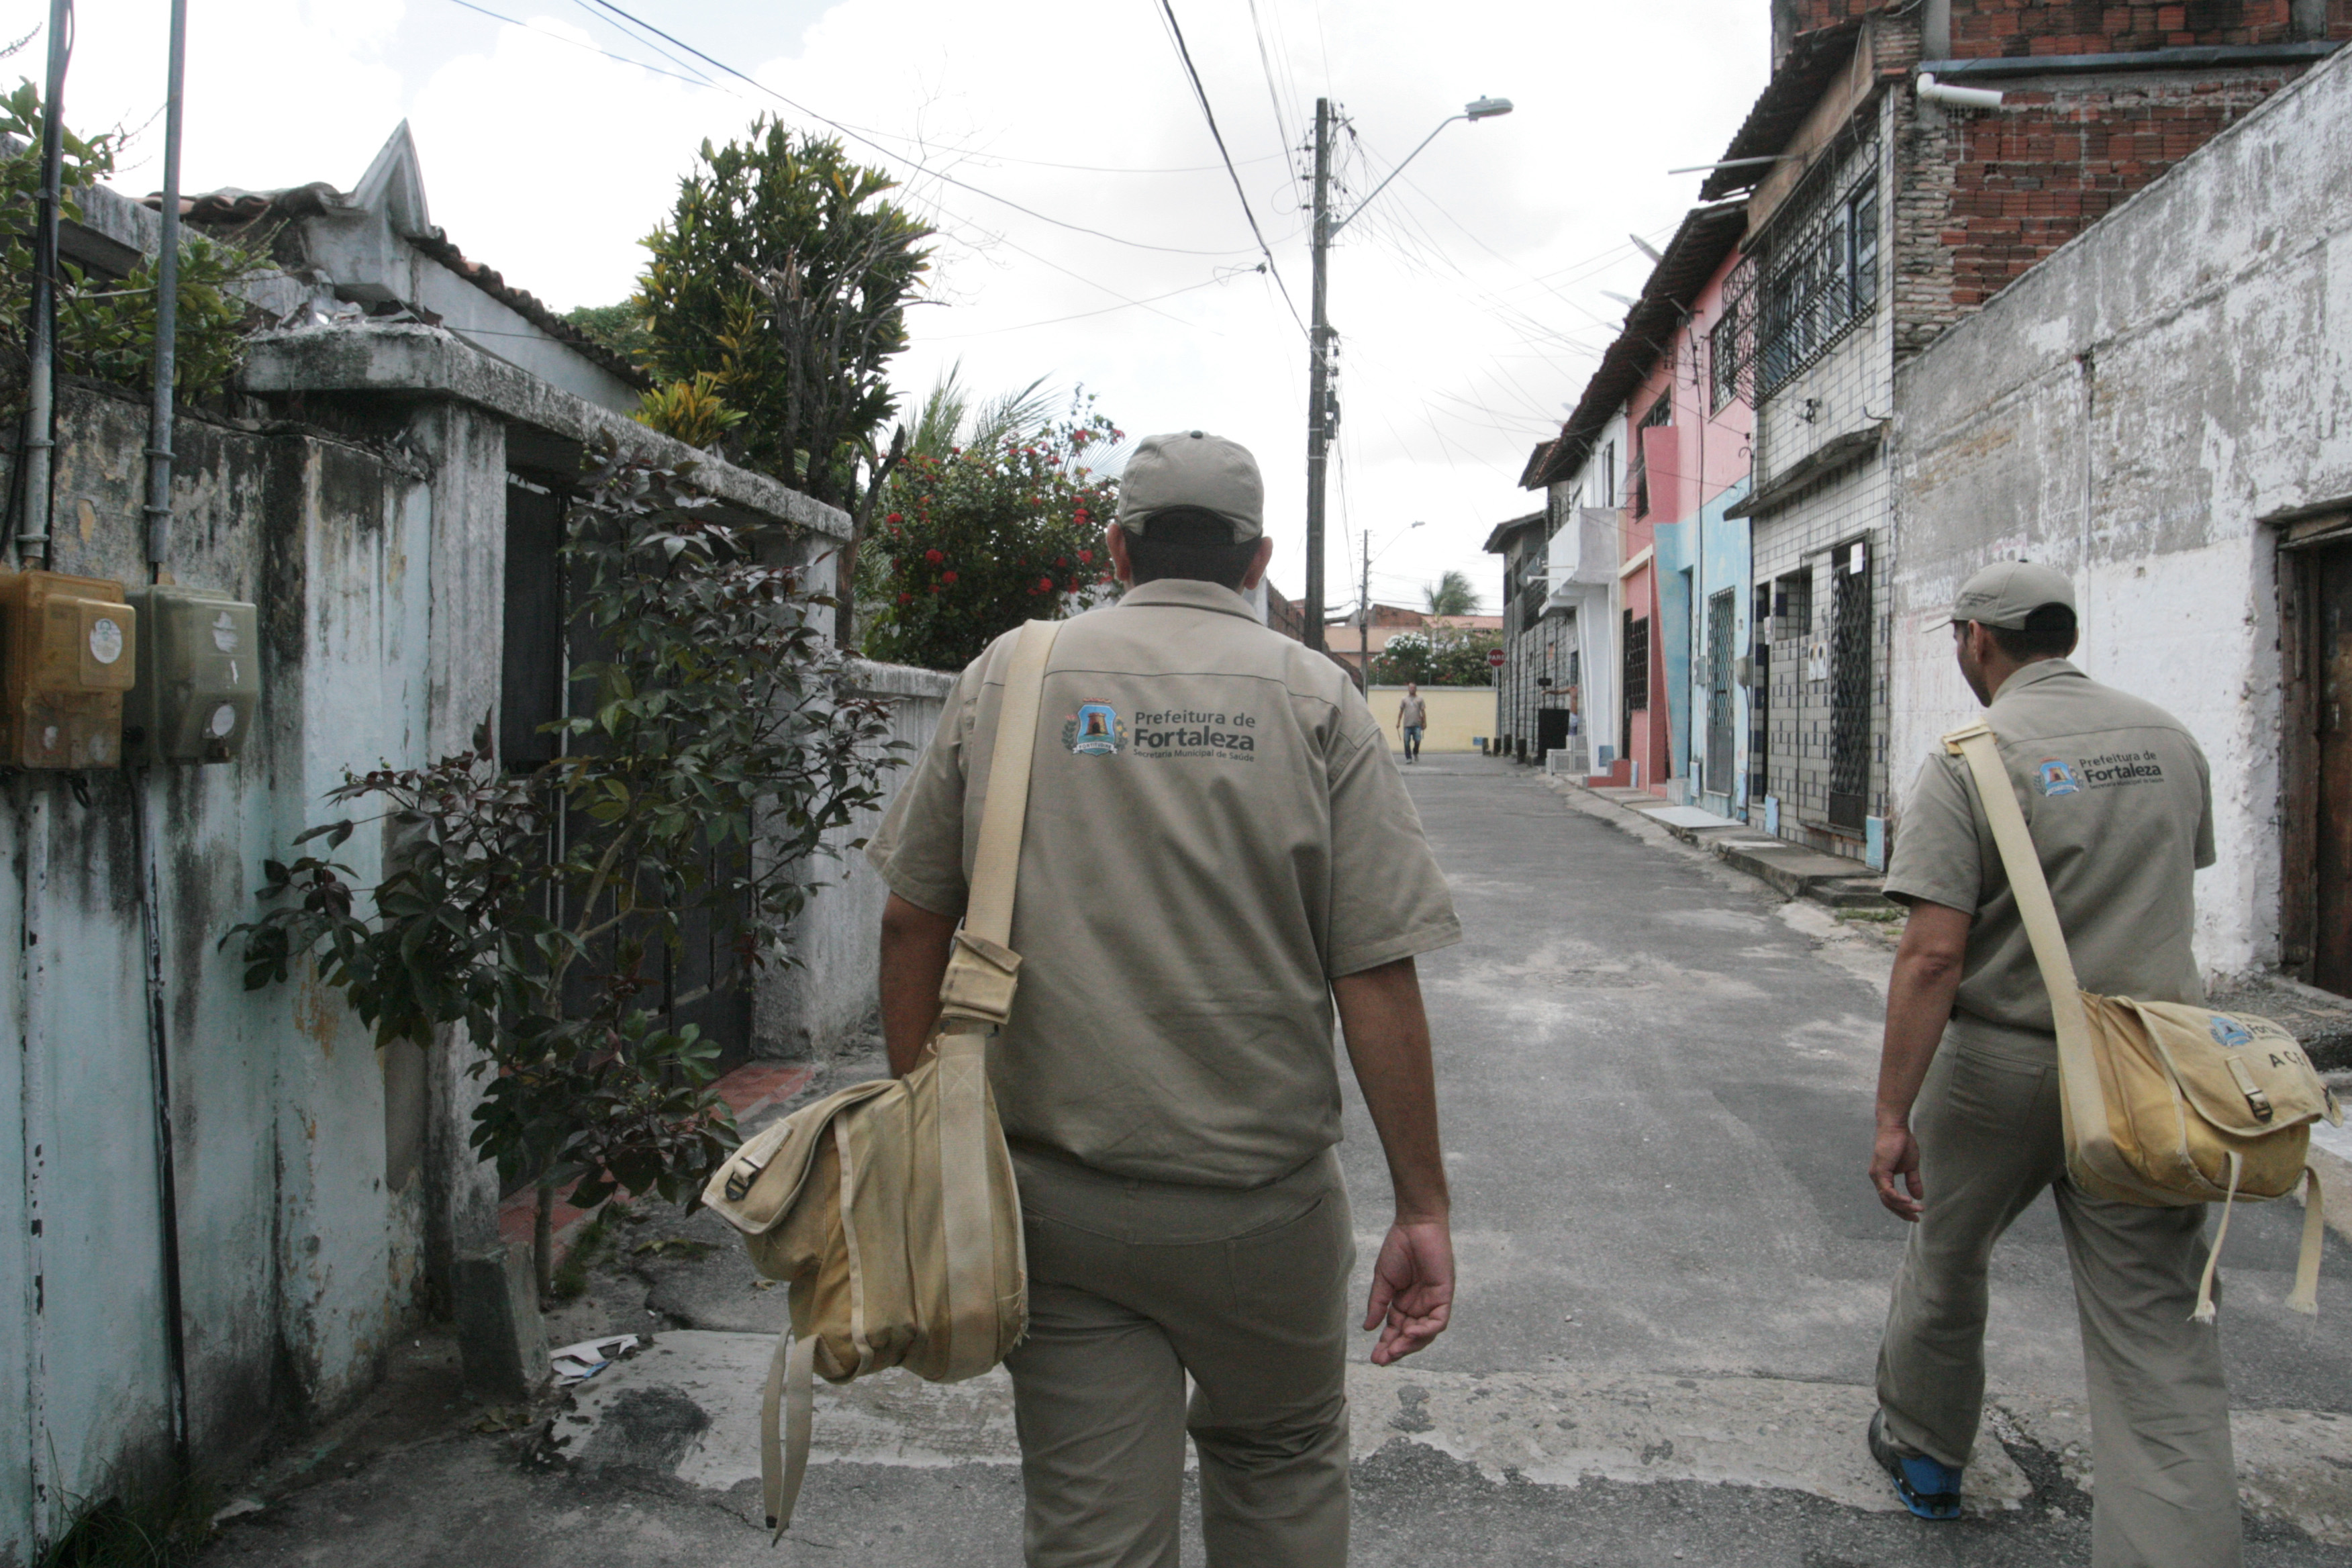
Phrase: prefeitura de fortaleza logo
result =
(1095, 731)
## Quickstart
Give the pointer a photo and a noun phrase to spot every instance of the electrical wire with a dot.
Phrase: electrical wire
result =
(1176, 31)
(542, 32)
(1083, 315)
(939, 175)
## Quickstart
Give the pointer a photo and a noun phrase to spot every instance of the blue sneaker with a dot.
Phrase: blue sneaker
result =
(1928, 1488)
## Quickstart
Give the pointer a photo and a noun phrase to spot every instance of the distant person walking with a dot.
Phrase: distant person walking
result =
(1218, 849)
(1413, 718)
(1968, 1129)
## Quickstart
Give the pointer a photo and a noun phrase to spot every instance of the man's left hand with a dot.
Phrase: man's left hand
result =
(1413, 1289)
(1896, 1156)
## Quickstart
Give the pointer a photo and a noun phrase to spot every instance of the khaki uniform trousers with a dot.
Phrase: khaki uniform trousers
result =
(2164, 1484)
(1134, 1285)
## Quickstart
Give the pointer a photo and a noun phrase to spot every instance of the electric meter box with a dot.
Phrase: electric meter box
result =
(69, 651)
(199, 677)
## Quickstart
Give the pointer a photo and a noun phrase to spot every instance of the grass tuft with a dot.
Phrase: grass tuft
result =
(164, 1529)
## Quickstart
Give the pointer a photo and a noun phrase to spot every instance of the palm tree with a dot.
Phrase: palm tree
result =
(1453, 595)
(950, 418)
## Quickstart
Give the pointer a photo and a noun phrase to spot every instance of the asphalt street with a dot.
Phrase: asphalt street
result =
(1655, 1080)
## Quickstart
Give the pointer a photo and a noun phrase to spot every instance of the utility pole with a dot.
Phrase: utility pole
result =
(1319, 376)
(1364, 617)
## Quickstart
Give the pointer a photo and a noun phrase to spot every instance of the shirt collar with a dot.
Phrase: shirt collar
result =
(2039, 670)
(1190, 594)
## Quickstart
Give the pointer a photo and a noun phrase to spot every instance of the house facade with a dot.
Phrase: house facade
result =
(2161, 410)
(1881, 212)
(388, 492)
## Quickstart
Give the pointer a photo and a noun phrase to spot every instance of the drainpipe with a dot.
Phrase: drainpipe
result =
(40, 402)
(33, 1026)
(1935, 91)
(167, 313)
(143, 832)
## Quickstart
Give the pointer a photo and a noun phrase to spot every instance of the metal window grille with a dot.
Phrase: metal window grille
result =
(1850, 682)
(1792, 606)
(1820, 276)
(1720, 610)
(1660, 413)
(1731, 345)
(1637, 663)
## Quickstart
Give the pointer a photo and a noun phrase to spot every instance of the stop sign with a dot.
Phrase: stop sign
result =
(1493, 658)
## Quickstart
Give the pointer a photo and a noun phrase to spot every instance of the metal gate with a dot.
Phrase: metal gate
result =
(1721, 611)
(1850, 684)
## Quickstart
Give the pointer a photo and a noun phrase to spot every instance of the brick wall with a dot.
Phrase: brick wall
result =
(1981, 198)
(2000, 28)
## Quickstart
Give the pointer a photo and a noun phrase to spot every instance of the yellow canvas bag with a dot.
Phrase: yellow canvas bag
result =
(890, 1207)
(2164, 1103)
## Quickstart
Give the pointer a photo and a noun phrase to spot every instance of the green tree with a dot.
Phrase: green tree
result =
(1446, 656)
(621, 327)
(718, 750)
(987, 537)
(1453, 595)
(106, 330)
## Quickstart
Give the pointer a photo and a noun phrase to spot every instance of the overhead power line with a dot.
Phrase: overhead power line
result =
(543, 33)
(939, 175)
(1200, 93)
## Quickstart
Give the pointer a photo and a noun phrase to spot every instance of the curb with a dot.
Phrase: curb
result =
(1790, 869)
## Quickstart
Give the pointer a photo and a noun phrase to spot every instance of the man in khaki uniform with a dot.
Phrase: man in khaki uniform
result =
(1413, 718)
(1218, 847)
(2116, 795)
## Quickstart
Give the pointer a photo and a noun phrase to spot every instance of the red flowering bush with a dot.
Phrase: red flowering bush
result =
(985, 538)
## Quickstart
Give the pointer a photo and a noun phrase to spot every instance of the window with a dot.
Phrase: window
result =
(1637, 663)
(1723, 356)
(1792, 606)
(1823, 277)
(1605, 481)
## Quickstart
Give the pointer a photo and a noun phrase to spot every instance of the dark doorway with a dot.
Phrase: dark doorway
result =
(1721, 611)
(1850, 682)
(2330, 578)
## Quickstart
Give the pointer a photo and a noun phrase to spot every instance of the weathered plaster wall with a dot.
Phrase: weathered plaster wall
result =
(298, 1262)
(828, 987)
(2130, 411)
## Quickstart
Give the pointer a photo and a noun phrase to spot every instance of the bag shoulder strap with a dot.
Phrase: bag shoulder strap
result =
(997, 866)
(2078, 1073)
(977, 990)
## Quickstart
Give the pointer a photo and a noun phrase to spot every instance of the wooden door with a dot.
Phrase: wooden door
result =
(2331, 579)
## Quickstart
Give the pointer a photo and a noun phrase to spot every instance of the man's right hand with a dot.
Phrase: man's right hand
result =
(1894, 1157)
(1413, 1289)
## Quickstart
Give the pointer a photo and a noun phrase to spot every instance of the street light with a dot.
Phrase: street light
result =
(1322, 412)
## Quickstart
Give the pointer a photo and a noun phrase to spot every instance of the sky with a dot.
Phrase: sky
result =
(1089, 232)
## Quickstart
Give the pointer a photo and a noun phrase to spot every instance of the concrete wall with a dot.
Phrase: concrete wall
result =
(300, 1259)
(2130, 411)
(824, 990)
(1458, 716)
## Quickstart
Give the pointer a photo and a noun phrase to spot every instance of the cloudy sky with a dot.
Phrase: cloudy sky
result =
(1472, 298)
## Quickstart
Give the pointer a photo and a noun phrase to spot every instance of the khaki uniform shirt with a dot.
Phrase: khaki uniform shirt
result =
(1215, 832)
(1412, 713)
(2121, 808)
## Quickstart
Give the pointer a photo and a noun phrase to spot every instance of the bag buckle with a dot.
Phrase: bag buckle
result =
(980, 980)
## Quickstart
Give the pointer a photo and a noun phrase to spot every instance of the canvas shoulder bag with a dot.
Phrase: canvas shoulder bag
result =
(890, 1207)
(2164, 1103)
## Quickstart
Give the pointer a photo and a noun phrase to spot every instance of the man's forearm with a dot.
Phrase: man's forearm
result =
(1387, 1033)
(916, 943)
(1919, 995)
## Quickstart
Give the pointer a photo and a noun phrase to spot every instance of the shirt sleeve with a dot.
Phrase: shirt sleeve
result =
(2205, 856)
(1937, 858)
(918, 849)
(1388, 899)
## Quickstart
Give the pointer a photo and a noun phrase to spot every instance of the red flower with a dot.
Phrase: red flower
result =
(947, 576)
(1065, 561)
(894, 517)
(1071, 586)
(1085, 557)
(935, 587)
(1045, 584)
(933, 556)
(1080, 518)
(906, 598)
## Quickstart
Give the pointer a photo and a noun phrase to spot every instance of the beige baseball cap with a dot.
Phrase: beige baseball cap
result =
(2005, 593)
(1192, 468)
